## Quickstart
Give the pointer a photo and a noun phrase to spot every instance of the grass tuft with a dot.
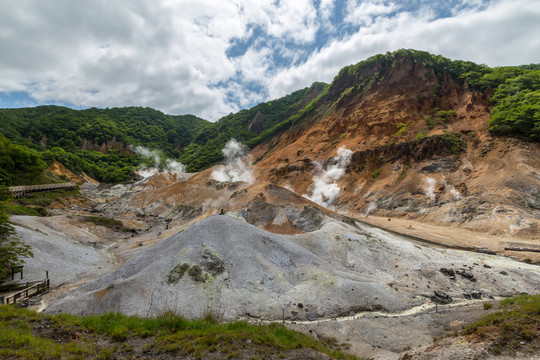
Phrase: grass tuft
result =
(516, 323)
(74, 337)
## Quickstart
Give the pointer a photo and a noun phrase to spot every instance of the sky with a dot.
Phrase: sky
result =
(213, 57)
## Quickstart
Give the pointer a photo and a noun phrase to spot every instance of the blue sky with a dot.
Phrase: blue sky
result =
(210, 58)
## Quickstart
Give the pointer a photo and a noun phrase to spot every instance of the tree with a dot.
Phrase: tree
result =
(517, 110)
(12, 250)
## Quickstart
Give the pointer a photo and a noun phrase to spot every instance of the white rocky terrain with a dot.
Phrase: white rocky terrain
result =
(233, 269)
(68, 256)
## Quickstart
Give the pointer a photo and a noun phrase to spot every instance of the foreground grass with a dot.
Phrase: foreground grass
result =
(25, 334)
(515, 326)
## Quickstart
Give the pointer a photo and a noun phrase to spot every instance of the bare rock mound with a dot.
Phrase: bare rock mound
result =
(233, 269)
(228, 266)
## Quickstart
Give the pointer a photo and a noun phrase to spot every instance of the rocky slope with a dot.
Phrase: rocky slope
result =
(421, 150)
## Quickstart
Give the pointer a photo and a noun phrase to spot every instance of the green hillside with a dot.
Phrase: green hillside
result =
(55, 126)
(249, 126)
(76, 138)
(97, 141)
(73, 137)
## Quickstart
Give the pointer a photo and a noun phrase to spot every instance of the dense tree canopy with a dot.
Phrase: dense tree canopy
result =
(44, 134)
(12, 250)
(18, 162)
(55, 126)
(517, 110)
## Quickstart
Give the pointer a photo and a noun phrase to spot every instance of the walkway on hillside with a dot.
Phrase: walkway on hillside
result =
(18, 191)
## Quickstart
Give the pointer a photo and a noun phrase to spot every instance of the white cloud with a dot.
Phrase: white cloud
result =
(326, 8)
(503, 33)
(364, 12)
(173, 55)
(293, 20)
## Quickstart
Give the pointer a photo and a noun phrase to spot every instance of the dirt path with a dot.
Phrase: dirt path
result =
(423, 308)
(455, 237)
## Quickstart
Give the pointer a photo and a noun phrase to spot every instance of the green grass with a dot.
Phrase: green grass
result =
(34, 203)
(402, 130)
(430, 121)
(403, 173)
(18, 341)
(454, 141)
(107, 222)
(446, 115)
(439, 117)
(46, 198)
(168, 333)
(516, 322)
(375, 174)
(15, 209)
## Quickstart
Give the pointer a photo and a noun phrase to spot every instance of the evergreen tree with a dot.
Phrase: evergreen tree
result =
(12, 250)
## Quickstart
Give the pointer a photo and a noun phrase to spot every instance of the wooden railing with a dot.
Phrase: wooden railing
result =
(35, 289)
(18, 191)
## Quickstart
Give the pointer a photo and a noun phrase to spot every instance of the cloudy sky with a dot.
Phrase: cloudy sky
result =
(213, 57)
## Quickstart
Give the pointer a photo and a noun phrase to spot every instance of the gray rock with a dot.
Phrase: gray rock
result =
(226, 265)
(475, 294)
(441, 297)
(310, 219)
(439, 166)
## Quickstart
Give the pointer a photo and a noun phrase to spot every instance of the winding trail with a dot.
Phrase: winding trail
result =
(374, 314)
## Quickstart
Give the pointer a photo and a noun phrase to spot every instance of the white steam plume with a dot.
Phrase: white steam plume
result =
(151, 154)
(325, 187)
(147, 172)
(370, 207)
(237, 164)
(175, 167)
(171, 166)
(456, 194)
(430, 189)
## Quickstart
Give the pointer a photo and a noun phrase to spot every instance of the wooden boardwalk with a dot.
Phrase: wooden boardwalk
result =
(18, 191)
(33, 290)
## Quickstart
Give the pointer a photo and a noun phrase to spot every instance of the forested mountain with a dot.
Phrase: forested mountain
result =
(54, 126)
(98, 141)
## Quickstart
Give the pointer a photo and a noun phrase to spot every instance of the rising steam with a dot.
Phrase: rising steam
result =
(237, 164)
(148, 153)
(370, 207)
(171, 166)
(325, 187)
(456, 194)
(429, 190)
